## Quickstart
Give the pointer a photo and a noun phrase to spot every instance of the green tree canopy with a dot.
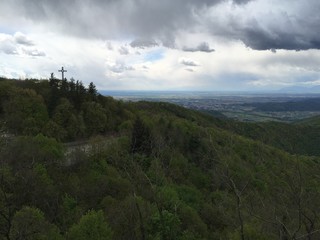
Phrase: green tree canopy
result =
(30, 224)
(25, 112)
(92, 226)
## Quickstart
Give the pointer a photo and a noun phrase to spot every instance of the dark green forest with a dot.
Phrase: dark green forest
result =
(78, 165)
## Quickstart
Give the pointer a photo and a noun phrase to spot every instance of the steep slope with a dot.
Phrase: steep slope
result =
(313, 122)
(158, 171)
(297, 138)
(300, 139)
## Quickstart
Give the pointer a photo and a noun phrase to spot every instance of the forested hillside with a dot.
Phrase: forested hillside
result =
(148, 170)
(301, 138)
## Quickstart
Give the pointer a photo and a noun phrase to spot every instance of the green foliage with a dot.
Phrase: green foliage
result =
(26, 151)
(92, 91)
(70, 212)
(251, 232)
(5, 91)
(168, 198)
(25, 112)
(30, 223)
(179, 167)
(65, 117)
(190, 196)
(141, 141)
(148, 170)
(95, 118)
(54, 130)
(191, 221)
(65, 110)
(164, 225)
(7, 204)
(91, 226)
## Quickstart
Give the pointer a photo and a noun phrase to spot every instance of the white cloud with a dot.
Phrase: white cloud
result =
(188, 62)
(7, 44)
(33, 52)
(22, 39)
(19, 44)
(120, 68)
(123, 50)
(166, 48)
(109, 46)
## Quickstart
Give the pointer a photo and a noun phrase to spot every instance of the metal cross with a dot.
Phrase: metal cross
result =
(62, 71)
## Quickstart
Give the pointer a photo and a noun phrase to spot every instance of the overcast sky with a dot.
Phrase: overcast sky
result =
(164, 44)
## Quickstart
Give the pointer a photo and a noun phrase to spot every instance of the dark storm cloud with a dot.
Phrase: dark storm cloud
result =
(143, 43)
(90, 17)
(112, 18)
(291, 25)
(241, 1)
(262, 39)
(202, 47)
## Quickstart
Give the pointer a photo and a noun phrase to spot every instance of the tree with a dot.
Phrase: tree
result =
(25, 152)
(92, 226)
(141, 141)
(95, 118)
(30, 224)
(54, 94)
(80, 94)
(53, 130)
(69, 212)
(7, 205)
(25, 112)
(5, 89)
(164, 225)
(92, 91)
(65, 116)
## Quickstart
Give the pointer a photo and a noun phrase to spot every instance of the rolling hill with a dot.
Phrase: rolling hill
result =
(149, 170)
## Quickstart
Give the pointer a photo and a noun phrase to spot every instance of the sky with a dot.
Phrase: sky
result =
(204, 45)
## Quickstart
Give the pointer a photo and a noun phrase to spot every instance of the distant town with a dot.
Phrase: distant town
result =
(248, 107)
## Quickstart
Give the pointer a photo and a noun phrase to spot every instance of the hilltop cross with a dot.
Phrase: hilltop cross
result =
(62, 71)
